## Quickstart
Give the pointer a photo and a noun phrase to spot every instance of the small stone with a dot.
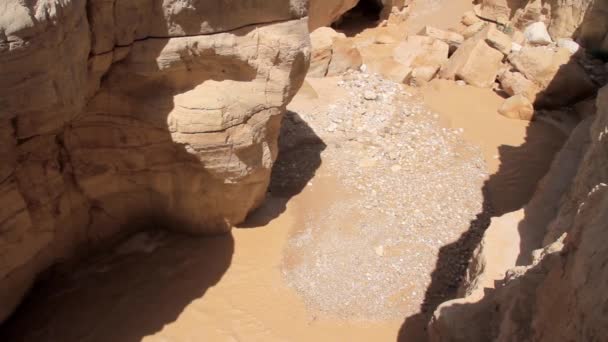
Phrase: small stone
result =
(370, 95)
(461, 83)
(568, 44)
(517, 107)
(537, 34)
(363, 68)
(379, 250)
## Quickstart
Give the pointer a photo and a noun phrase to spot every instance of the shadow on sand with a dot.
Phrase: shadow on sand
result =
(509, 189)
(122, 297)
(299, 158)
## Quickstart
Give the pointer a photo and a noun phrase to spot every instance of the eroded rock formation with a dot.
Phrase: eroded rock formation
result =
(117, 114)
(554, 259)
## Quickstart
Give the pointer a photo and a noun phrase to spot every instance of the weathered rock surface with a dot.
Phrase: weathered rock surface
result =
(562, 79)
(517, 107)
(475, 62)
(419, 51)
(322, 40)
(557, 290)
(515, 83)
(165, 112)
(344, 56)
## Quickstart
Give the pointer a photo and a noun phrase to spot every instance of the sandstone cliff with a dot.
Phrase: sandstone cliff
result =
(555, 279)
(117, 114)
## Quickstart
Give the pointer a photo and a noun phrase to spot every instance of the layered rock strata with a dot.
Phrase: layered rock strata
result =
(117, 114)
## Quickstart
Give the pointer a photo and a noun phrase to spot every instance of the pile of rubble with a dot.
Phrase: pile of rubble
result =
(412, 187)
(532, 69)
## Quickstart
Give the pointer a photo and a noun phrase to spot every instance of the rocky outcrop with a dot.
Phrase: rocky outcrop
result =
(553, 287)
(122, 114)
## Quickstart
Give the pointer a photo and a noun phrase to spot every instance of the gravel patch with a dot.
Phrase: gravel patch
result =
(413, 187)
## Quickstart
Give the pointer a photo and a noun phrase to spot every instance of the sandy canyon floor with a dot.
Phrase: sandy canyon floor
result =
(376, 201)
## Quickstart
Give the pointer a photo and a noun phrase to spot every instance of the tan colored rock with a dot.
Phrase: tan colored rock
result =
(515, 83)
(182, 131)
(472, 30)
(325, 12)
(345, 56)
(451, 38)
(470, 18)
(497, 39)
(518, 37)
(419, 51)
(494, 256)
(564, 81)
(394, 71)
(422, 75)
(475, 62)
(517, 107)
(322, 40)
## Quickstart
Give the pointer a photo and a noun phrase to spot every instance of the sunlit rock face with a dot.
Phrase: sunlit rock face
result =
(120, 114)
(586, 20)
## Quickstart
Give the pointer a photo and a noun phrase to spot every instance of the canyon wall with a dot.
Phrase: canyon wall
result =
(118, 115)
(540, 273)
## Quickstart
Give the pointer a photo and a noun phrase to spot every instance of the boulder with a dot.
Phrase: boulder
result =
(394, 71)
(419, 51)
(449, 37)
(475, 62)
(515, 83)
(344, 56)
(517, 107)
(322, 40)
(497, 39)
(537, 34)
(564, 81)
(422, 75)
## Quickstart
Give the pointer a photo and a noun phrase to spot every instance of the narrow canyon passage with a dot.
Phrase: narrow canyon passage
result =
(378, 198)
(158, 286)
